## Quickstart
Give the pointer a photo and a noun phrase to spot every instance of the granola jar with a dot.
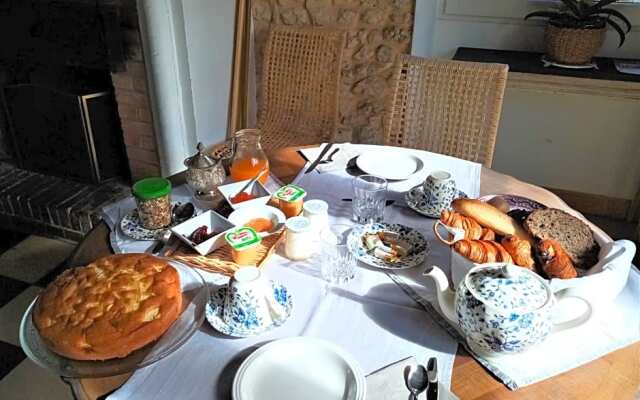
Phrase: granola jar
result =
(153, 197)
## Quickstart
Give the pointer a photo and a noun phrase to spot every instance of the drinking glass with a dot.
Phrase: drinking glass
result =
(337, 264)
(369, 197)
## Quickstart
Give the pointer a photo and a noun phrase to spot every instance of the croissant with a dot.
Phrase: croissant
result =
(519, 250)
(482, 251)
(556, 263)
(471, 228)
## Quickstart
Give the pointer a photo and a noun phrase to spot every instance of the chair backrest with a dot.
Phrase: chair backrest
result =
(300, 82)
(445, 106)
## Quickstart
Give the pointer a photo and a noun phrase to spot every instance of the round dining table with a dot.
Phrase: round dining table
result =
(613, 376)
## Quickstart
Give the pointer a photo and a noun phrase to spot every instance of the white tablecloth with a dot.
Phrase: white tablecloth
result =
(371, 317)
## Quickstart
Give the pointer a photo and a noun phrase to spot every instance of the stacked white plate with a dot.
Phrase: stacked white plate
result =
(299, 368)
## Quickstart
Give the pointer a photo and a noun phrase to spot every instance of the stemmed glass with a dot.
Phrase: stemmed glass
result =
(337, 265)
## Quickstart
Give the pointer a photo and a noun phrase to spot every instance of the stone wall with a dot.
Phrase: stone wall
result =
(133, 100)
(377, 30)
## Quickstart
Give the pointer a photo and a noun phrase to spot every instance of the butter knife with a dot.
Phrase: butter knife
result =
(317, 161)
(432, 377)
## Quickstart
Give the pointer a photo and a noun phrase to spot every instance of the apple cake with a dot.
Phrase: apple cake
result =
(109, 308)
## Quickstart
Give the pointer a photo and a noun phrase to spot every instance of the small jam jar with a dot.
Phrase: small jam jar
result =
(153, 198)
(290, 200)
(299, 240)
(317, 213)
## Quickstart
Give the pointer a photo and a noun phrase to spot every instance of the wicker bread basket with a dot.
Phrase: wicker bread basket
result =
(573, 46)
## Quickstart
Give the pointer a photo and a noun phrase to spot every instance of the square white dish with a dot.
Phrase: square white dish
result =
(213, 221)
(257, 189)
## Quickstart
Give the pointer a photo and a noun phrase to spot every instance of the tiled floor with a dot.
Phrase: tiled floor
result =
(27, 264)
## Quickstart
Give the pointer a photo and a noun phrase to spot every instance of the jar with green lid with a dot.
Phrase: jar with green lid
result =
(153, 197)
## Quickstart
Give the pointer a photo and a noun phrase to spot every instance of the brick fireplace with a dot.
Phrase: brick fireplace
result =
(33, 199)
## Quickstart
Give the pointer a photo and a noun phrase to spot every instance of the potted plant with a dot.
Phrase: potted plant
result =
(575, 31)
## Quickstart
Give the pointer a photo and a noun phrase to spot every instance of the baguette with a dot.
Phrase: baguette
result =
(490, 217)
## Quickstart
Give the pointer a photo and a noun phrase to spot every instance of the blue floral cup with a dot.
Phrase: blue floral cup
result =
(250, 303)
(439, 191)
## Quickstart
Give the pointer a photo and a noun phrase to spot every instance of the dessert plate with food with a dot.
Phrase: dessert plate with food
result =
(550, 242)
(388, 246)
(114, 315)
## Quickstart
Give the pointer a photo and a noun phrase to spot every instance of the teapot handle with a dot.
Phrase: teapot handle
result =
(583, 318)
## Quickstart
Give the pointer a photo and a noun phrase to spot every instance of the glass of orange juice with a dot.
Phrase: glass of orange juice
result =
(248, 157)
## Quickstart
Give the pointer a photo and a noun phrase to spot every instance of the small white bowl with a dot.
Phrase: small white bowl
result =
(257, 189)
(213, 221)
(245, 214)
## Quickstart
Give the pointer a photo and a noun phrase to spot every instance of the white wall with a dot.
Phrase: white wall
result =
(576, 142)
(189, 51)
(209, 27)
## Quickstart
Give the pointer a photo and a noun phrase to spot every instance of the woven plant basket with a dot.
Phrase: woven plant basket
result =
(573, 46)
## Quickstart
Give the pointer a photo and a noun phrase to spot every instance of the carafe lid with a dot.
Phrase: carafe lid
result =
(201, 159)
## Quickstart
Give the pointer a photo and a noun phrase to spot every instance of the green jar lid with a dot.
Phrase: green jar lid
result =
(151, 188)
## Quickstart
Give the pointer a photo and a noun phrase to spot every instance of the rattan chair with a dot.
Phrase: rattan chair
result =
(447, 107)
(301, 71)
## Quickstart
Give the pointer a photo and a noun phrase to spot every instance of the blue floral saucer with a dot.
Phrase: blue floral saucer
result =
(418, 202)
(245, 322)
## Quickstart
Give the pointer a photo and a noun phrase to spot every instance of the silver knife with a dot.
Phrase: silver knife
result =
(317, 161)
(432, 377)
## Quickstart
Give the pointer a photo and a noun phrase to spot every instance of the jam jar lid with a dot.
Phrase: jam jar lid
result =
(201, 159)
(508, 287)
(151, 188)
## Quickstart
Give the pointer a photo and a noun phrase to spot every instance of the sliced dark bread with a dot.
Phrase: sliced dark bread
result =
(572, 234)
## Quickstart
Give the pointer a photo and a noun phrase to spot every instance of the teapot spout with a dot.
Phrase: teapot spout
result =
(446, 296)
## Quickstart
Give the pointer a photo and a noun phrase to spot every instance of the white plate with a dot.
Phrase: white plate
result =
(299, 368)
(419, 246)
(391, 165)
(243, 215)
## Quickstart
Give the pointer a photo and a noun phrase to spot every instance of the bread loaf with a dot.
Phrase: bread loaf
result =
(490, 217)
(571, 233)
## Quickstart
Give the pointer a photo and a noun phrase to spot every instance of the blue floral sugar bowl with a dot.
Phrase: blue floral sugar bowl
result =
(502, 308)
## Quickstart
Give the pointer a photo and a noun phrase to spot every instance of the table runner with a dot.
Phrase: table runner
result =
(614, 325)
(371, 317)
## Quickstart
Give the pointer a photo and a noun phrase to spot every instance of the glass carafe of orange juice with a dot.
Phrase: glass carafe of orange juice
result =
(248, 156)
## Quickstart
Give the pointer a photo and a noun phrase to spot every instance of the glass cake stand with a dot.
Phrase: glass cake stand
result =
(195, 295)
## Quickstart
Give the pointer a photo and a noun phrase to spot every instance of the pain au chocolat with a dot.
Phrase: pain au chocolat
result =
(109, 308)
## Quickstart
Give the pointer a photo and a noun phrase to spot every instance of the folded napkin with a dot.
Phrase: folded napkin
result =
(388, 383)
(346, 152)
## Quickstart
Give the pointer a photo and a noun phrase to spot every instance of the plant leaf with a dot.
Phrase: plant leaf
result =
(602, 3)
(543, 14)
(573, 6)
(618, 29)
(618, 14)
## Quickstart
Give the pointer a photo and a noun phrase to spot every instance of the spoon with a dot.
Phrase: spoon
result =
(415, 377)
(182, 212)
(251, 182)
(162, 242)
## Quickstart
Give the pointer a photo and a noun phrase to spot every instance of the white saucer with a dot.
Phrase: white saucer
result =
(247, 327)
(417, 201)
(390, 165)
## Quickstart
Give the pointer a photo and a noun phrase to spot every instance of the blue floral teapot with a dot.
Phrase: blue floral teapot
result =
(502, 308)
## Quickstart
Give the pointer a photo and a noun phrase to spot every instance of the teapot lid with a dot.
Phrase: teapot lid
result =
(508, 287)
(201, 159)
